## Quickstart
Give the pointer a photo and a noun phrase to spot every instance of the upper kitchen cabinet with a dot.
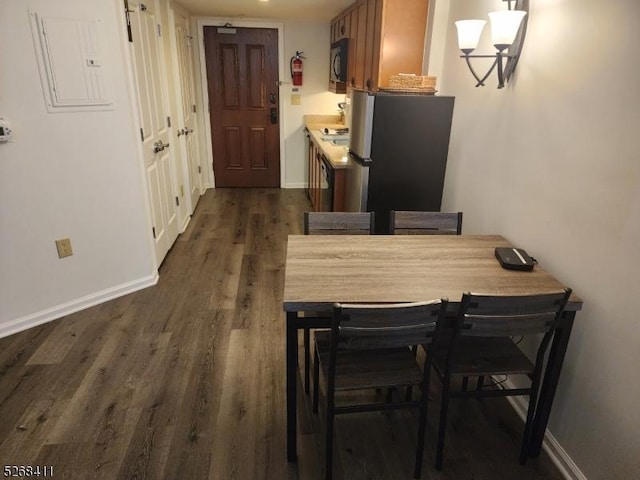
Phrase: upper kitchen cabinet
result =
(386, 37)
(340, 27)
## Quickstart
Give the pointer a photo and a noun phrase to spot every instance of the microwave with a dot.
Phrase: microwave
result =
(338, 65)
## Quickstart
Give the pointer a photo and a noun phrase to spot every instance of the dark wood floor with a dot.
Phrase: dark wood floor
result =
(185, 380)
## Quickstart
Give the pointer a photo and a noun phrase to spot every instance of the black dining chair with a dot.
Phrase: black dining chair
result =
(339, 223)
(368, 347)
(403, 222)
(483, 345)
(329, 223)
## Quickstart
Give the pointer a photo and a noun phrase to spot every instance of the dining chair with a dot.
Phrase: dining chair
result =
(425, 223)
(339, 223)
(368, 347)
(483, 345)
(329, 223)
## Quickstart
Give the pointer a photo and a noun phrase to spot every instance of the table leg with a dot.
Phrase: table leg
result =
(550, 382)
(292, 355)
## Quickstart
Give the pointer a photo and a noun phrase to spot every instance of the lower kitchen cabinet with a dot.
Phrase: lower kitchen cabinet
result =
(326, 187)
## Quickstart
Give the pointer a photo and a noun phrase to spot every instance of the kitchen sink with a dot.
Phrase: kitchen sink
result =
(340, 142)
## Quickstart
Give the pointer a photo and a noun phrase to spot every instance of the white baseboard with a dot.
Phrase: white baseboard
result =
(186, 224)
(53, 313)
(296, 185)
(558, 455)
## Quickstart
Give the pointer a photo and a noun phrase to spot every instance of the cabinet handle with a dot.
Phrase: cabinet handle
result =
(368, 84)
(353, 81)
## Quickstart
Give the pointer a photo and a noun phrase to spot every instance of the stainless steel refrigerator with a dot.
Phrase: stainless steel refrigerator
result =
(398, 148)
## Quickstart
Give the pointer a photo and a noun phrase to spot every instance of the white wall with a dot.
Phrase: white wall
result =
(551, 162)
(70, 175)
(313, 39)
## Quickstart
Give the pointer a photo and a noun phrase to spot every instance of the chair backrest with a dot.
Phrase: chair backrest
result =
(508, 316)
(338, 223)
(365, 326)
(504, 316)
(425, 223)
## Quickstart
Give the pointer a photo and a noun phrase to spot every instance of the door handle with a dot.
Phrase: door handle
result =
(272, 99)
(159, 146)
(273, 114)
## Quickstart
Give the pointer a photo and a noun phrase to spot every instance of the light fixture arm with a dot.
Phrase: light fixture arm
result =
(500, 70)
(473, 72)
(505, 61)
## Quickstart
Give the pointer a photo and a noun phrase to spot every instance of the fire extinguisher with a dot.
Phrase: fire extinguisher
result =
(296, 68)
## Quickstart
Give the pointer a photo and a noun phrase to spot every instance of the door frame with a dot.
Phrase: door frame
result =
(239, 23)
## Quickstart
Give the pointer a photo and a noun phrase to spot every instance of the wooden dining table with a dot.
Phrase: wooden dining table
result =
(321, 270)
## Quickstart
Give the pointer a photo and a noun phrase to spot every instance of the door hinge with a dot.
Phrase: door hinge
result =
(153, 230)
(128, 19)
(142, 134)
(177, 202)
(168, 122)
(193, 109)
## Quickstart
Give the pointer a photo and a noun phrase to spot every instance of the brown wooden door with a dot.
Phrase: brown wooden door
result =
(242, 77)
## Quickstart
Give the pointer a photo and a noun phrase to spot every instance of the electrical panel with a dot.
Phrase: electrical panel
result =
(72, 72)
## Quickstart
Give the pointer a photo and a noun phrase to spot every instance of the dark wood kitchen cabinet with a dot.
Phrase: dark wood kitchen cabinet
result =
(386, 37)
(340, 26)
(316, 188)
(313, 160)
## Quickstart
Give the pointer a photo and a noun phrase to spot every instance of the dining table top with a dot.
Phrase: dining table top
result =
(321, 270)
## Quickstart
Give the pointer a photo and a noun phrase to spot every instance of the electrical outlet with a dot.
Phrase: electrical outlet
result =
(64, 247)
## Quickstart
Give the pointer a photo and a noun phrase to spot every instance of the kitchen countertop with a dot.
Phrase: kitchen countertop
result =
(337, 155)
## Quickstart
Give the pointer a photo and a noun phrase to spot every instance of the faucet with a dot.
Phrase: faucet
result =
(341, 106)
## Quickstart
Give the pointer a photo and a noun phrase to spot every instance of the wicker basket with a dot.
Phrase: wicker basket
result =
(412, 82)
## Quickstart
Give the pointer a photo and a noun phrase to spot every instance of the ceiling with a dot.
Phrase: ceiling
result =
(322, 10)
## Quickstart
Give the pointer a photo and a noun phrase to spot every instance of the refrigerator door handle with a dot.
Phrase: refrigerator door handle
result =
(365, 162)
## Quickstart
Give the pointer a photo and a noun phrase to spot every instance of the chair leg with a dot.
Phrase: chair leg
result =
(307, 358)
(328, 465)
(316, 382)
(480, 383)
(526, 436)
(465, 383)
(442, 426)
(422, 427)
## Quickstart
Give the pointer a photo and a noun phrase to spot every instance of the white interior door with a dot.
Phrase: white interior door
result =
(149, 71)
(184, 42)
